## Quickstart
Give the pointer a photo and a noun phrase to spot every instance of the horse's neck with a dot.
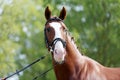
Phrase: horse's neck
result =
(73, 62)
(72, 50)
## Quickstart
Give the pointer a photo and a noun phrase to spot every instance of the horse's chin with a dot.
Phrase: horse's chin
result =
(62, 62)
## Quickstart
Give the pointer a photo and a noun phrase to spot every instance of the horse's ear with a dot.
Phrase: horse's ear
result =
(62, 14)
(47, 13)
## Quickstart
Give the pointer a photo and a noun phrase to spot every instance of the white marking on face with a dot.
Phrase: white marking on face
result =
(59, 51)
(56, 27)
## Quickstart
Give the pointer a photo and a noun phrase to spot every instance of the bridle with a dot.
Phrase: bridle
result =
(52, 44)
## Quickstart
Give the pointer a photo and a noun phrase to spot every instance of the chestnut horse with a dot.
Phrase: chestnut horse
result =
(72, 65)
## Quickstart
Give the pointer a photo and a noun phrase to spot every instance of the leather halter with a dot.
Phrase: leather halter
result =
(54, 19)
(52, 44)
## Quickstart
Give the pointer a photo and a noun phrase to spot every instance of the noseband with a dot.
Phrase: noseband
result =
(52, 44)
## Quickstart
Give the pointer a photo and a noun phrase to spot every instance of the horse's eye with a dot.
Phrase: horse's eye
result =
(48, 29)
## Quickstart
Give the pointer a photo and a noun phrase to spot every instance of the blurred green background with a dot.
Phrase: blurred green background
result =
(95, 24)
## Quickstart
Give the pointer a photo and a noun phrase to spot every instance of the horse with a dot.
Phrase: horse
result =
(67, 60)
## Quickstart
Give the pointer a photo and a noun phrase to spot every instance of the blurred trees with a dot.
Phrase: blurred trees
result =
(95, 25)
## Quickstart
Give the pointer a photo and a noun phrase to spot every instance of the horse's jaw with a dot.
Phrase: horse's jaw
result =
(59, 53)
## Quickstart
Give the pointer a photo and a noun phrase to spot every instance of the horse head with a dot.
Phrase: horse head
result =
(55, 35)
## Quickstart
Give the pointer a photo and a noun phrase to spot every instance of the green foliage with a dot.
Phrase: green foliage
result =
(94, 24)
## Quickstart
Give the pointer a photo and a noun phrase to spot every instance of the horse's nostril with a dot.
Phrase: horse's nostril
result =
(56, 51)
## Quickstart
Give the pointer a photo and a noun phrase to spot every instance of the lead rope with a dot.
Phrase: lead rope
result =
(42, 74)
(21, 70)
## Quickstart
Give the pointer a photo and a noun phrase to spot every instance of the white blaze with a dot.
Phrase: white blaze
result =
(56, 27)
(59, 51)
